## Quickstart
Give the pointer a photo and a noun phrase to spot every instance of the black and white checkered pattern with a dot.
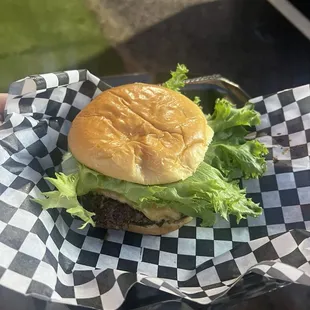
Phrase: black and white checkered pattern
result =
(44, 252)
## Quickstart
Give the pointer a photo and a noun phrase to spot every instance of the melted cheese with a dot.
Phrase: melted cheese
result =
(158, 214)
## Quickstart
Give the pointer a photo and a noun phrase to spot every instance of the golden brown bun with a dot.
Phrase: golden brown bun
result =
(141, 133)
(159, 230)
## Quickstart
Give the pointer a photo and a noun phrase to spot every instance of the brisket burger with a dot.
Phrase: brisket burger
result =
(143, 134)
(144, 158)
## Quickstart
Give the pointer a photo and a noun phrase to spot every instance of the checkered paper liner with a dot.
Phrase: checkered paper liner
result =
(44, 252)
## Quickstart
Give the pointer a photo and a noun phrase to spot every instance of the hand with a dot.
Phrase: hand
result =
(3, 98)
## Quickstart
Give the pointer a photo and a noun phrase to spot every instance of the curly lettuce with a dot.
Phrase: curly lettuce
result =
(178, 77)
(65, 196)
(238, 160)
(230, 151)
(226, 116)
(177, 81)
(202, 195)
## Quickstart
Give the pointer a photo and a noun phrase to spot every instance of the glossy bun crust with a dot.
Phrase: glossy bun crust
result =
(141, 133)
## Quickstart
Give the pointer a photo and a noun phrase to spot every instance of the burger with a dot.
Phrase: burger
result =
(138, 162)
(143, 134)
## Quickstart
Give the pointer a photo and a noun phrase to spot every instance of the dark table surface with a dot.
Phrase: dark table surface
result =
(291, 297)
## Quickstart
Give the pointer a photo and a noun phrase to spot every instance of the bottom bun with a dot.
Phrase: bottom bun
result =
(154, 229)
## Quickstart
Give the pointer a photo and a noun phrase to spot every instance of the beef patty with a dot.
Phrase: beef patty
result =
(112, 214)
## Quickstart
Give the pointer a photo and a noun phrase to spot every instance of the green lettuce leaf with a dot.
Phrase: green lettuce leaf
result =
(230, 151)
(226, 116)
(202, 195)
(177, 81)
(197, 100)
(66, 197)
(178, 77)
(238, 160)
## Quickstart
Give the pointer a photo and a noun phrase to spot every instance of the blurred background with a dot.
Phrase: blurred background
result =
(247, 41)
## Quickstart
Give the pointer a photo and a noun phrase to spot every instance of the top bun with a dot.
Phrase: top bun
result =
(141, 133)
